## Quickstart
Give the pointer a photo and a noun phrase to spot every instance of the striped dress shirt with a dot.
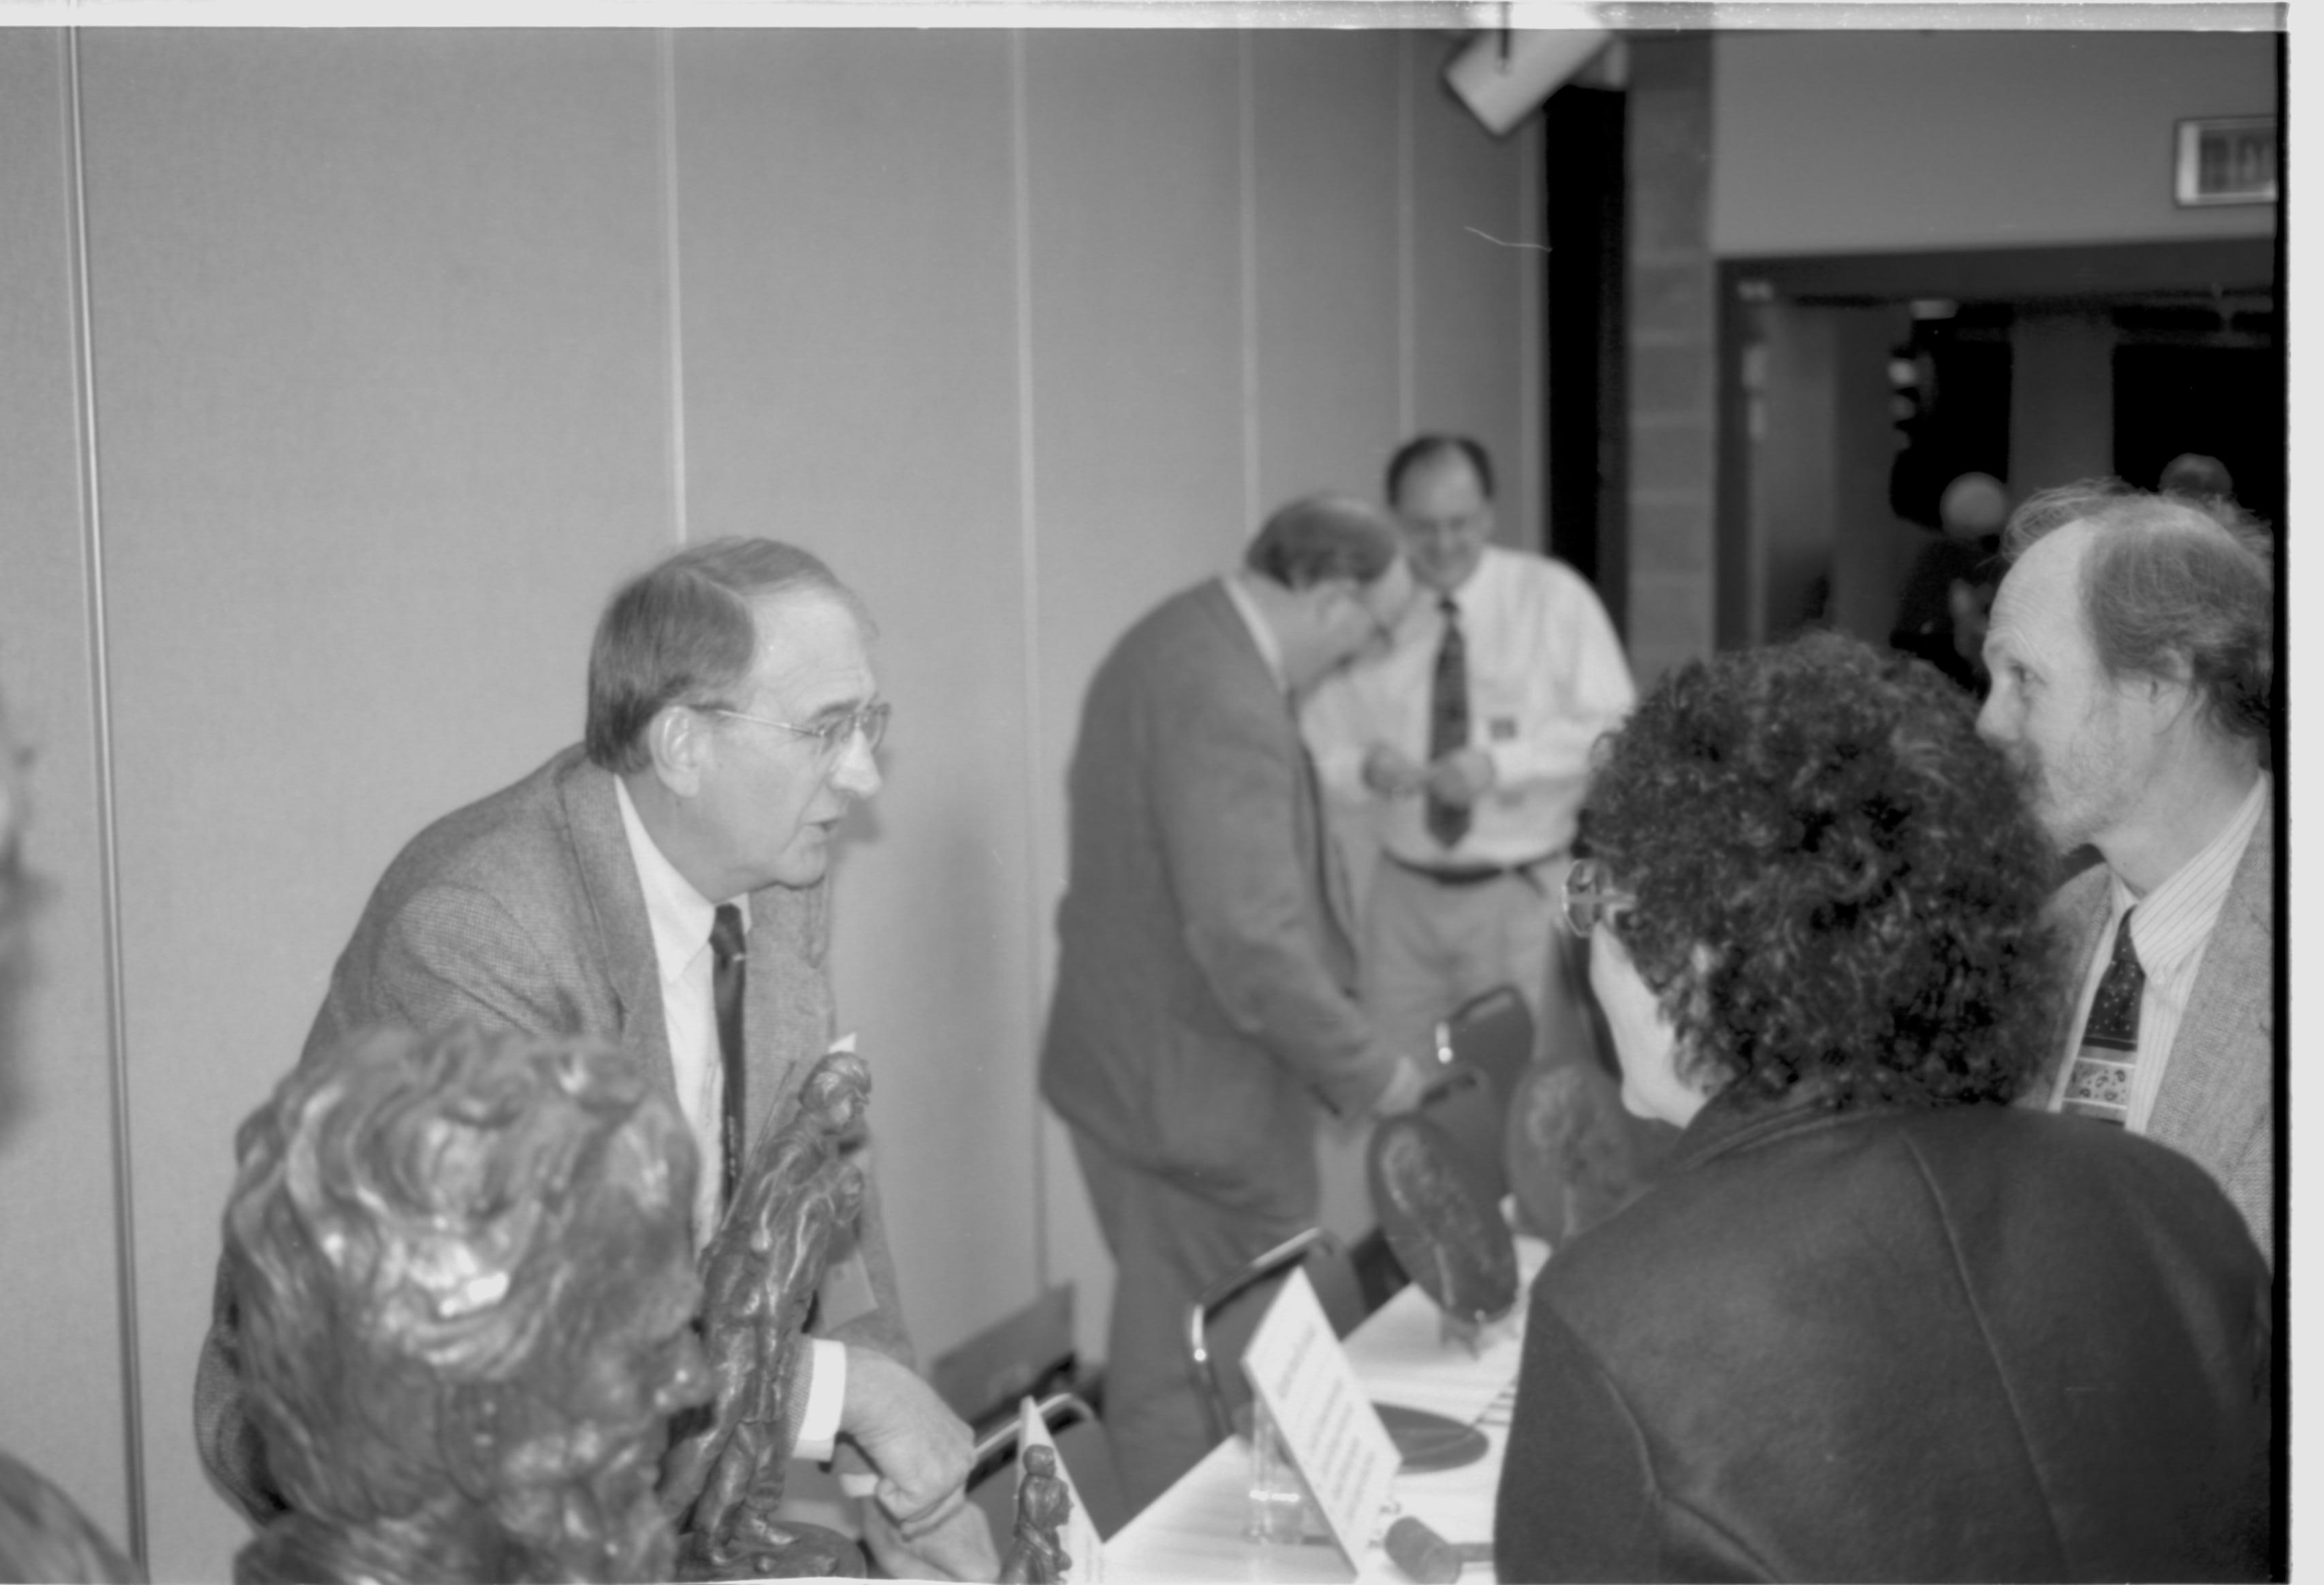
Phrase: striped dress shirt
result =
(2169, 932)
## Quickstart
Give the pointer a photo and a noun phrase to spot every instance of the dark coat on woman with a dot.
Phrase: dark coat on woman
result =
(1970, 1343)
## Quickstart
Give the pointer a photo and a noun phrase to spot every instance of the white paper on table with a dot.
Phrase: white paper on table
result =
(1084, 1551)
(1327, 1424)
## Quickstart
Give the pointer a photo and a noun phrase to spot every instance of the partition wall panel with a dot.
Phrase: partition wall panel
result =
(380, 387)
(1325, 246)
(60, 1340)
(848, 274)
(1134, 173)
(1475, 206)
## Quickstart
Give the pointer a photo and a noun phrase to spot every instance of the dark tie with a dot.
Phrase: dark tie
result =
(2099, 1085)
(1448, 721)
(726, 948)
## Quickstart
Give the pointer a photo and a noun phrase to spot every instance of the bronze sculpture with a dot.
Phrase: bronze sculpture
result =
(724, 1479)
(1036, 1555)
(1441, 1224)
(467, 1294)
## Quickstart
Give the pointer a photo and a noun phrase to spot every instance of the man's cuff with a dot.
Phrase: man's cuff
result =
(826, 1394)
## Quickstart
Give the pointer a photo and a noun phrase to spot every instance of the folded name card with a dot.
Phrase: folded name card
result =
(1326, 1423)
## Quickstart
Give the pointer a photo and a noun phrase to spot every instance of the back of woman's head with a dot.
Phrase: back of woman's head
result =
(1837, 884)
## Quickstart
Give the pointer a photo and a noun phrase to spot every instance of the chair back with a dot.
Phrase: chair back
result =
(1223, 1317)
(1484, 1050)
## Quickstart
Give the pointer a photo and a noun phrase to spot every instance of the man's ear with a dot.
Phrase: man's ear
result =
(2168, 690)
(678, 739)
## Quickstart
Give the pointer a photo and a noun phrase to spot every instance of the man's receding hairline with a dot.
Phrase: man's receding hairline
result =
(1446, 456)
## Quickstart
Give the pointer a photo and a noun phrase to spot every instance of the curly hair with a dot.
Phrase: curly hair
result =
(1837, 884)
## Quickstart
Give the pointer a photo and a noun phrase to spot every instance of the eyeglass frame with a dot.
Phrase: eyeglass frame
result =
(1594, 901)
(833, 736)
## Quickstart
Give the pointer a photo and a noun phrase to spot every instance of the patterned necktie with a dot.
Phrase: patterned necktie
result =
(1448, 721)
(2099, 1085)
(726, 949)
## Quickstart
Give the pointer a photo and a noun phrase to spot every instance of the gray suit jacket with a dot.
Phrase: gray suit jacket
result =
(2218, 1100)
(1205, 960)
(524, 911)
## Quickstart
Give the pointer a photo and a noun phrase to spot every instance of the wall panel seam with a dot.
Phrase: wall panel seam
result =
(666, 108)
(92, 524)
(1247, 184)
(1029, 569)
(1406, 328)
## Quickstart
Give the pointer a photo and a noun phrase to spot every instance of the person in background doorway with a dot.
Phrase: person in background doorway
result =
(2205, 478)
(1940, 615)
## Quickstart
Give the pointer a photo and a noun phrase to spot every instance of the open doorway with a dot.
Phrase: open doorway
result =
(1856, 389)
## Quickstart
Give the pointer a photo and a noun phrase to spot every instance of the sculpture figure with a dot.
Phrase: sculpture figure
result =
(722, 1482)
(1036, 1553)
(1443, 1230)
(466, 1291)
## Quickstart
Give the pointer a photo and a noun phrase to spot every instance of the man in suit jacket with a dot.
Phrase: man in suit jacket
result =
(1203, 1005)
(2132, 648)
(732, 717)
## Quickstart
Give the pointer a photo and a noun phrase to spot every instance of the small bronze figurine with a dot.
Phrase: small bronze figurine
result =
(1036, 1555)
(467, 1294)
(722, 1482)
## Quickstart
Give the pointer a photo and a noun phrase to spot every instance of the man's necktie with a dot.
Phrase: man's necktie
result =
(726, 949)
(1448, 721)
(2099, 1085)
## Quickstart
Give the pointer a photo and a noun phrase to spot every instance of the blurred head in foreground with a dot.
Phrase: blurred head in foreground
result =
(466, 1291)
(1806, 873)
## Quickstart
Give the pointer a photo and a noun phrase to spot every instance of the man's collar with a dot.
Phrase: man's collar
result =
(1246, 604)
(679, 914)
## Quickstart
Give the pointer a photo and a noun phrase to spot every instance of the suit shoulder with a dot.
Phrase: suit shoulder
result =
(508, 839)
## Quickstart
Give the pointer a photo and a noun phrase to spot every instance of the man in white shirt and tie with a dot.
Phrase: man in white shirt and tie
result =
(1469, 737)
(663, 885)
(2132, 648)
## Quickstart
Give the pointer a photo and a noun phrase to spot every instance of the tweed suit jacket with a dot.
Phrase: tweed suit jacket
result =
(523, 912)
(2218, 1098)
(1202, 1004)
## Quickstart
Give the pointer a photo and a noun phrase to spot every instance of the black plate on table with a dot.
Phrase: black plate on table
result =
(1429, 1441)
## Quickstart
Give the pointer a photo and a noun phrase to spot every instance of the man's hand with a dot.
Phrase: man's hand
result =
(957, 1547)
(1405, 1088)
(919, 1447)
(1390, 771)
(1461, 777)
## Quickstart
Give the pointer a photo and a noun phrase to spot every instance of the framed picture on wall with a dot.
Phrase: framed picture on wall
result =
(2225, 160)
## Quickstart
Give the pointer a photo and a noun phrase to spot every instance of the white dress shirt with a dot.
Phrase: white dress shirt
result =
(2169, 932)
(680, 918)
(1546, 679)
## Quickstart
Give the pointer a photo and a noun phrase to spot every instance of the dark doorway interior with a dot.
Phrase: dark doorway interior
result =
(2213, 396)
(1584, 136)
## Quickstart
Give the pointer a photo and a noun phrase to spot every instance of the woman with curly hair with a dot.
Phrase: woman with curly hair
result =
(1872, 1321)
